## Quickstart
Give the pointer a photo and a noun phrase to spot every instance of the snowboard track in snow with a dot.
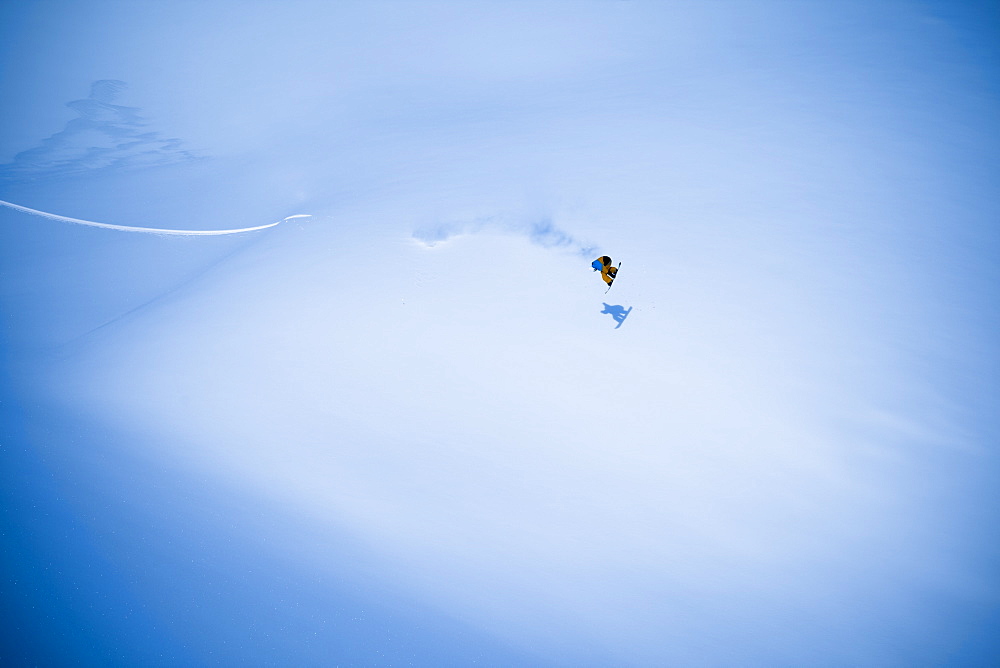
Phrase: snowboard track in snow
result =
(145, 230)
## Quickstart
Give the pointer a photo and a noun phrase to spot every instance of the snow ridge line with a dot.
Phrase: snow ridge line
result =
(145, 230)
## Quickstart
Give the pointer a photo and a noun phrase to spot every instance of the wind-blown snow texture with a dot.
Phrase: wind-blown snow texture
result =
(411, 428)
(105, 136)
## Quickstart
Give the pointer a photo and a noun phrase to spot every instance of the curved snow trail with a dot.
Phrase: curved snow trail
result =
(146, 230)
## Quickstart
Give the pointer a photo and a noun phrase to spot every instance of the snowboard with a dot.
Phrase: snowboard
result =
(613, 278)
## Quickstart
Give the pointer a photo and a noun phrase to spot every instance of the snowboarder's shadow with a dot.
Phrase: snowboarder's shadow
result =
(617, 312)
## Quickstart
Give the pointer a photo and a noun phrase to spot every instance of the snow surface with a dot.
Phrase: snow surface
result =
(405, 430)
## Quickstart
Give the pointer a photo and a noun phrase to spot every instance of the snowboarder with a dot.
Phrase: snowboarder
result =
(608, 272)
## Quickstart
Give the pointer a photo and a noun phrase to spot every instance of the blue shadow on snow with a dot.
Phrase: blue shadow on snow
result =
(618, 312)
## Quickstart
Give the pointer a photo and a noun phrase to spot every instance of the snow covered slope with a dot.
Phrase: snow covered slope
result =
(468, 413)
(408, 429)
